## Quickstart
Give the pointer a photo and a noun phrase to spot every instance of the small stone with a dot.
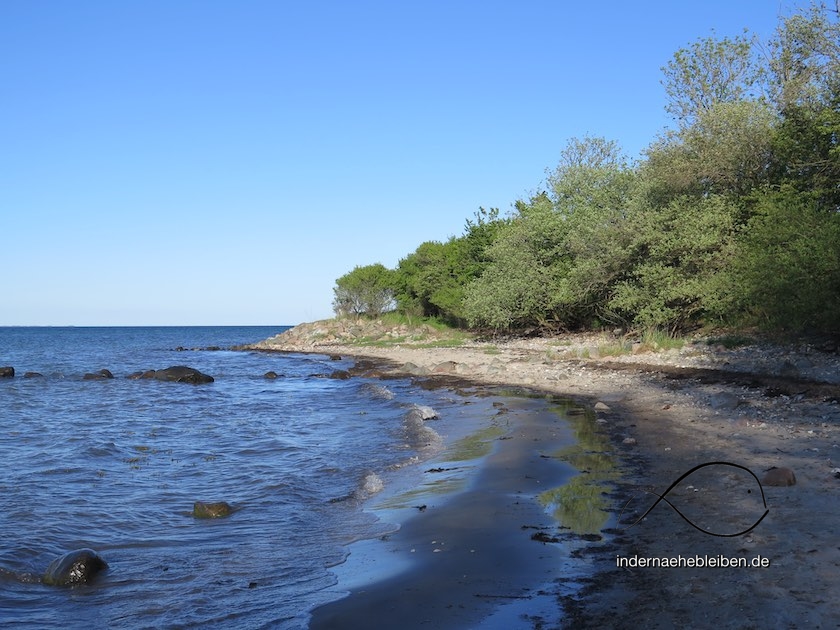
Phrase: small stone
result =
(779, 477)
(211, 510)
(600, 406)
(629, 441)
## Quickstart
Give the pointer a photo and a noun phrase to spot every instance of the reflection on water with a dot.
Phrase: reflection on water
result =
(448, 479)
(581, 504)
(475, 445)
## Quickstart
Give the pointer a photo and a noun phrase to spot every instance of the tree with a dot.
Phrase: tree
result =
(432, 280)
(366, 290)
(676, 254)
(786, 275)
(805, 59)
(711, 71)
(726, 150)
(521, 287)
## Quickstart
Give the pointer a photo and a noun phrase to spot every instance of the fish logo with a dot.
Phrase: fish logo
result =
(662, 497)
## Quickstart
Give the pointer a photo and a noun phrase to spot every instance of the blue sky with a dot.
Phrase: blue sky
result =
(187, 162)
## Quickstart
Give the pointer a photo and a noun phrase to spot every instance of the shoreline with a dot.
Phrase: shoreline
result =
(664, 417)
(464, 551)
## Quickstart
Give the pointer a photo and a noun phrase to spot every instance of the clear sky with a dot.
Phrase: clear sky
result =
(178, 162)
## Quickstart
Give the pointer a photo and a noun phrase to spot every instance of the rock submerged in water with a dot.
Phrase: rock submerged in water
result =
(175, 374)
(74, 567)
(101, 375)
(7, 372)
(219, 509)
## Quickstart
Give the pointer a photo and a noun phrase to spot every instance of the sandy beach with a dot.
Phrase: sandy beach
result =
(662, 413)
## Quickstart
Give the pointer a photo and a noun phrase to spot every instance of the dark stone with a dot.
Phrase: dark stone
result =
(213, 348)
(101, 375)
(219, 509)
(7, 372)
(335, 357)
(544, 538)
(341, 375)
(75, 567)
(181, 374)
(779, 477)
(144, 374)
(33, 375)
(362, 366)
(271, 374)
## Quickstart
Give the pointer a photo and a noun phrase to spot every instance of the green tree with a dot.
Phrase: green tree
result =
(787, 272)
(365, 290)
(677, 252)
(709, 72)
(432, 280)
(726, 150)
(522, 285)
(805, 59)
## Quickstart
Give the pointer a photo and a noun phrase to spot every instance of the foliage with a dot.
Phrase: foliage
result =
(522, 287)
(730, 218)
(678, 251)
(710, 72)
(726, 151)
(787, 273)
(431, 282)
(364, 291)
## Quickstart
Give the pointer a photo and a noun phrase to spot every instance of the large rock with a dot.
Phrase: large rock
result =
(176, 374)
(75, 567)
(101, 375)
(7, 372)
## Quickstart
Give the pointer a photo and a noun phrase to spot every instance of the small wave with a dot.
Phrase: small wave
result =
(371, 484)
(424, 412)
(417, 433)
(378, 391)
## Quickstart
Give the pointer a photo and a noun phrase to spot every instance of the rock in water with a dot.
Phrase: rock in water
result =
(75, 567)
(7, 372)
(211, 510)
(182, 374)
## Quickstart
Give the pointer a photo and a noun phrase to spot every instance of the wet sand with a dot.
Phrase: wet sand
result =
(469, 556)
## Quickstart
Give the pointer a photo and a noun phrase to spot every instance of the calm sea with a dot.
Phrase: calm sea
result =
(116, 466)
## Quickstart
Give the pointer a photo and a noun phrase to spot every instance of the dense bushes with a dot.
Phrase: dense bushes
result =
(733, 217)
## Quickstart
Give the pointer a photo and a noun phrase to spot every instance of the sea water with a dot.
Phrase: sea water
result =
(116, 465)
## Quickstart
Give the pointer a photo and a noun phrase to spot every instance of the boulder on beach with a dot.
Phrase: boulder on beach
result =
(218, 509)
(74, 567)
(7, 372)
